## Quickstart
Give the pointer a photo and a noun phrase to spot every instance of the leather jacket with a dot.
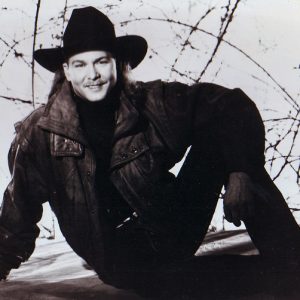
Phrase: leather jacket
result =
(50, 160)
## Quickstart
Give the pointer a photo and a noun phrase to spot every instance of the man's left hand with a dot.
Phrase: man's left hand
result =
(238, 198)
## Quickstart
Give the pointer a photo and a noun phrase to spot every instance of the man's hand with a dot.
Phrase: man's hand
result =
(4, 271)
(238, 198)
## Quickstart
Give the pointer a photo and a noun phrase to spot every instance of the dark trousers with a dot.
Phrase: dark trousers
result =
(140, 253)
(272, 228)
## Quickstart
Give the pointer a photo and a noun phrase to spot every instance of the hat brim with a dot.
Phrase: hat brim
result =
(130, 48)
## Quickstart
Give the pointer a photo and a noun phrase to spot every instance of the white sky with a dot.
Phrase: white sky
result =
(268, 31)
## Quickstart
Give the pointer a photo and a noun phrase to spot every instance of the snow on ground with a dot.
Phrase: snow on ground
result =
(55, 272)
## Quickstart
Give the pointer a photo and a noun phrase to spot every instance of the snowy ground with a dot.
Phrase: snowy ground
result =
(55, 272)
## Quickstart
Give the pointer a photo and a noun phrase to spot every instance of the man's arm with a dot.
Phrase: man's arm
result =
(21, 208)
(235, 124)
(241, 136)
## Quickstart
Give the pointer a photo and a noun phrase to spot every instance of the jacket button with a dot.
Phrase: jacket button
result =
(134, 150)
(124, 155)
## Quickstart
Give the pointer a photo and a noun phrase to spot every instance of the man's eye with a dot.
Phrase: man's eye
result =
(103, 61)
(78, 65)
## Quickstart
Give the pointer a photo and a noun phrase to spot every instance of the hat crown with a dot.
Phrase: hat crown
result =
(88, 25)
(89, 29)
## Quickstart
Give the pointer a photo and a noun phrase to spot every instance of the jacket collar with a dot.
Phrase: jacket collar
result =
(126, 118)
(61, 116)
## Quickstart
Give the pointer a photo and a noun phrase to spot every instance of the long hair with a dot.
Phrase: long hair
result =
(58, 80)
(124, 82)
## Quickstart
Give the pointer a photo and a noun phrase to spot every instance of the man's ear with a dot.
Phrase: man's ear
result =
(66, 71)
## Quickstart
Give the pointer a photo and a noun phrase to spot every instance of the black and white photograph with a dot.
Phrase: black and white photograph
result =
(149, 149)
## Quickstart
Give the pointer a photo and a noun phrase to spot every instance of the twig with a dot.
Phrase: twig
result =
(220, 39)
(16, 99)
(289, 99)
(64, 19)
(33, 48)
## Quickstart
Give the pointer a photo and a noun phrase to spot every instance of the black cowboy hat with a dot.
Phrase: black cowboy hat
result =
(89, 29)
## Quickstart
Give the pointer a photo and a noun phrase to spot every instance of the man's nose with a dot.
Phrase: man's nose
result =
(92, 72)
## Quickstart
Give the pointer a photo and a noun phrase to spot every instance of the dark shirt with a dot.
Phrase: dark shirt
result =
(98, 122)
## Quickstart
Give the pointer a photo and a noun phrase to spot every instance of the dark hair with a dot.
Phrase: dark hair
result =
(123, 79)
(58, 80)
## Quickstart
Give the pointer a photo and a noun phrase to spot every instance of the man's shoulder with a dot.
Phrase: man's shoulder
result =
(156, 91)
(27, 128)
(160, 85)
(177, 88)
(30, 120)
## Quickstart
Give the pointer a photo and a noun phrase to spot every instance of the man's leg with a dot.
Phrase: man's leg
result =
(191, 197)
(198, 187)
(272, 228)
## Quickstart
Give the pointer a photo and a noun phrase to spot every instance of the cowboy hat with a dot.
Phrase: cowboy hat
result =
(89, 29)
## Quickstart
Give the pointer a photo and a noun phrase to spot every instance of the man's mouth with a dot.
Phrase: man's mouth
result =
(94, 86)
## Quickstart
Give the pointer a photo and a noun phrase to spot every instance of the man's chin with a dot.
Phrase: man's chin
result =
(95, 97)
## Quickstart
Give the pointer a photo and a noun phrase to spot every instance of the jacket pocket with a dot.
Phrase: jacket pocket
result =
(62, 146)
(128, 149)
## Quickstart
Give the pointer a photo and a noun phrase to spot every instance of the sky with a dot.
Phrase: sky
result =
(260, 54)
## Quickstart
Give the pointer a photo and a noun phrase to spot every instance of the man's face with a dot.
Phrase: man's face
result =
(92, 74)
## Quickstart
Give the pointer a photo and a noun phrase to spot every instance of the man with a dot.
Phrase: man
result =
(100, 152)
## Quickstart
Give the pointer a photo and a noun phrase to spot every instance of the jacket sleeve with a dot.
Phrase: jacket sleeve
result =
(228, 115)
(21, 208)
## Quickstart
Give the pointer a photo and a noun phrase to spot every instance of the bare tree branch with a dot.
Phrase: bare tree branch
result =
(288, 98)
(16, 99)
(33, 48)
(193, 29)
(64, 19)
(220, 37)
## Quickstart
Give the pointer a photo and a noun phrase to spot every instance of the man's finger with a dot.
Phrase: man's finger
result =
(232, 216)
(237, 222)
(228, 218)
(236, 216)
(227, 214)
